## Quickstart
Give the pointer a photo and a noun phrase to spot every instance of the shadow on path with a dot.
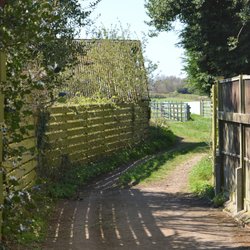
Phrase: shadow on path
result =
(105, 217)
(134, 219)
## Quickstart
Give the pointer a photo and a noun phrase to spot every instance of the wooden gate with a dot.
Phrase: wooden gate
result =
(233, 157)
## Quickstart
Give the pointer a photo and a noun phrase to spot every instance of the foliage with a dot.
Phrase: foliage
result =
(159, 139)
(27, 226)
(44, 46)
(219, 199)
(119, 32)
(200, 178)
(197, 81)
(37, 38)
(166, 84)
(215, 35)
(112, 69)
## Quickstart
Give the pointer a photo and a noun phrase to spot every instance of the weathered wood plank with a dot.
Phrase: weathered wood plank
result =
(28, 144)
(13, 163)
(23, 170)
(28, 180)
(234, 117)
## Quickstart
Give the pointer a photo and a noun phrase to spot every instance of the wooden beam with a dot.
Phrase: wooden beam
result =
(234, 117)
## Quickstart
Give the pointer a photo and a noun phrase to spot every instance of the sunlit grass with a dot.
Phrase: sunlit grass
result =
(200, 178)
(198, 129)
(193, 137)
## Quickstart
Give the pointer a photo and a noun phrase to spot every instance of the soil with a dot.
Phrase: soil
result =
(162, 215)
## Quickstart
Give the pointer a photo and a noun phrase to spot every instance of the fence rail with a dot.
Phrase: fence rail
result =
(170, 111)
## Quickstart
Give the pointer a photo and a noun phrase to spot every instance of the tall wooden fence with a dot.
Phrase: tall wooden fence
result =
(177, 111)
(233, 158)
(81, 134)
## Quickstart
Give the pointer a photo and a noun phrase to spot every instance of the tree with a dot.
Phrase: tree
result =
(38, 38)
(166, 84)
(215, 35)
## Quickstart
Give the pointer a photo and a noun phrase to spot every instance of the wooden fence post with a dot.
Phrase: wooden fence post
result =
(239, 170)
(216, 162)
(2, 79)
(202, 106)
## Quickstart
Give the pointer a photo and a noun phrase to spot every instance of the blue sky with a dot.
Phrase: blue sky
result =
(161, 49)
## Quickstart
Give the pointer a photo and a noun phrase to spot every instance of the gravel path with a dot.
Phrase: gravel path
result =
(158, 216)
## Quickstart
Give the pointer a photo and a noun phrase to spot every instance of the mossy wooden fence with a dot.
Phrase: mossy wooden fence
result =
(82, 134)
(233, 158)
(22, 167)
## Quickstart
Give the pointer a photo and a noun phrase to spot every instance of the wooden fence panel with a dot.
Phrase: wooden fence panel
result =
(87, 133)
(23, 166)
(234, 140)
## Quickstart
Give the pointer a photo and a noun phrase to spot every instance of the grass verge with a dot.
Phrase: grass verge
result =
(193, 137)
(157, 168)
(200, 178)
(197, 129)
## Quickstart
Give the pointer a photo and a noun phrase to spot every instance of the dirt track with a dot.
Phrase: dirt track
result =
(157, 216)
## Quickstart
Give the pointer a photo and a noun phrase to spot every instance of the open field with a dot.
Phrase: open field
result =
(177, 97)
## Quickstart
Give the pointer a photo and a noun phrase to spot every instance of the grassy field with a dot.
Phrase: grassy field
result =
(177, 97)
(198, 129)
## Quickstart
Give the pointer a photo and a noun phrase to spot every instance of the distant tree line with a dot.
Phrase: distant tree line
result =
(166, 84)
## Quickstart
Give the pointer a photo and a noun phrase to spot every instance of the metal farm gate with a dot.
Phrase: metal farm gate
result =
(176, 111)
(232, 168)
